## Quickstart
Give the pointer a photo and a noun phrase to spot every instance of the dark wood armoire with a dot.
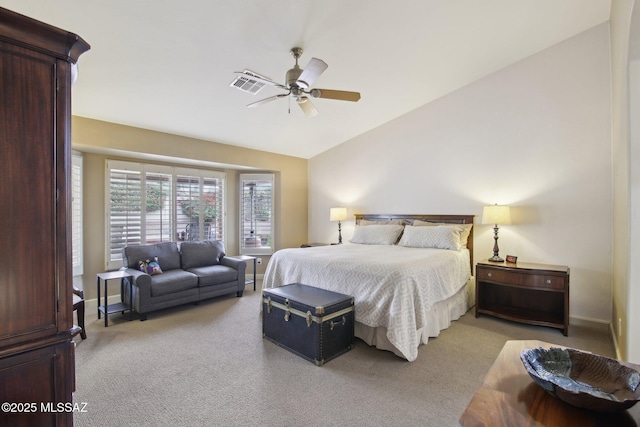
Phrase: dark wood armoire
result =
(37, 366)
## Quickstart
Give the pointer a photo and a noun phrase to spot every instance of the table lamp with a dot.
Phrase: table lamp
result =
(496, 215)
(338, 214)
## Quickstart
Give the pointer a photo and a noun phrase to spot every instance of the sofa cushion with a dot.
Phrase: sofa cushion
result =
(201, 254)
(214, 275)
(167, 253)
(172, 281)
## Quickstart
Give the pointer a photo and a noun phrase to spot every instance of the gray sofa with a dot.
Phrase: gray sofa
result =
(196, 271)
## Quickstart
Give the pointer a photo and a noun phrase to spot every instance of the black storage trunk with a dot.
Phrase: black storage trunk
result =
(313, 323)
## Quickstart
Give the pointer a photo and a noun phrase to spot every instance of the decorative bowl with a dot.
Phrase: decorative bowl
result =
(583, 379)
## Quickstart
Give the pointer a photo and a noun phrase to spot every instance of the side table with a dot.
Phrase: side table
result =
(255, 265)
(311, 245)
(113, 308)
(536, 294)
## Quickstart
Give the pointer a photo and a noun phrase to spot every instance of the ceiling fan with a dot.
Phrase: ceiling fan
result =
(298, 85)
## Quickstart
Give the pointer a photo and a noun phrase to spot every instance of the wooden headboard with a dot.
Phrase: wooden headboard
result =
(449, 219)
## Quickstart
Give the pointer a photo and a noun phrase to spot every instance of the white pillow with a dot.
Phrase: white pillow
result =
(376, 234)
(440, 237)
(464, 236)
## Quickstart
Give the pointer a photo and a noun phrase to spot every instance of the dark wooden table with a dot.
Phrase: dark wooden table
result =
(536, 294)
(107, 308)
(508, 397)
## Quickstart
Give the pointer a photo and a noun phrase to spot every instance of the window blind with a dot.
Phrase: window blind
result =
(256, 214)
(76, 215)
(152, 203)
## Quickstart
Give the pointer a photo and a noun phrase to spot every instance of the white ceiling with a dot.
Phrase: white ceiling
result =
(166, 65)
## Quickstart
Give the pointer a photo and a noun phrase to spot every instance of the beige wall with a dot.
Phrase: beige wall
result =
(619, 28)
(99, 141)
(535, 135)
(625, 68)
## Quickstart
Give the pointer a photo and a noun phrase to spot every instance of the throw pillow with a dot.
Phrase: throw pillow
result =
(376, 234)
(440, 237)
(150, 267)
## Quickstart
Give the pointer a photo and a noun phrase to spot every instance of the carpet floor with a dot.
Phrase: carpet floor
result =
(207, 365)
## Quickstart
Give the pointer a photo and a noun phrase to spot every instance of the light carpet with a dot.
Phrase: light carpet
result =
(208, 365)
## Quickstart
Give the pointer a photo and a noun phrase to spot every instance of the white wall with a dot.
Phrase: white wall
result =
(625, 107)
(633, 301)
(535, 135)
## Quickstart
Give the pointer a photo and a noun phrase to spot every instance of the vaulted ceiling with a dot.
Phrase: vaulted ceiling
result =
(167, 65)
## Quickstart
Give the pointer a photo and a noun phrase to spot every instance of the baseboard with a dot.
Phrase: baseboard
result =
(615, 341)
(600, 325)
(597, 324)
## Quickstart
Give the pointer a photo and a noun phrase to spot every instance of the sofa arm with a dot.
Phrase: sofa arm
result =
(240, 266)
(236, 264)
(140, 279)
(142, 288)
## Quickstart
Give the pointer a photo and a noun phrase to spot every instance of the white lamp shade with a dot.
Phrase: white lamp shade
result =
(496, 214)
(338, 214)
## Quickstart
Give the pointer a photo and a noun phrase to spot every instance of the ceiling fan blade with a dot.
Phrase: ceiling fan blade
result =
(260, 79)
(307, 106)
(341, 95)
(311, 72)
(266, 100)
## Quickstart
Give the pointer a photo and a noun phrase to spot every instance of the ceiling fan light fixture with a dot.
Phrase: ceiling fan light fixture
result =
(307, 106)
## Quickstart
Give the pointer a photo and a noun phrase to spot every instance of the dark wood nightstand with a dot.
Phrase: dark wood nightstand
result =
(536, 294)
(311, 245)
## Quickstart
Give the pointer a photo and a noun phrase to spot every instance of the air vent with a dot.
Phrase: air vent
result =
(247, 84)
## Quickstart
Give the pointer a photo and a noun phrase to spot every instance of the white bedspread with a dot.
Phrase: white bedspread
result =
(393, 286)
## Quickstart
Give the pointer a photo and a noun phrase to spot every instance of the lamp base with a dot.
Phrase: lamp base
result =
(496, 258)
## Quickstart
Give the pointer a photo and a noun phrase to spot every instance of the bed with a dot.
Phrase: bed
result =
(410, 276)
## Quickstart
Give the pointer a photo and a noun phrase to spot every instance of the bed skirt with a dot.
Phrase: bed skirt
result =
(440, 317)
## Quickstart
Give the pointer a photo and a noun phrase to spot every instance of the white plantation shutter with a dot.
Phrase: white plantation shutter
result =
(177, 204)
(158, 207)
(256, 214)
(124, 202)
(76, 214)
(213, 201)
(200, 205)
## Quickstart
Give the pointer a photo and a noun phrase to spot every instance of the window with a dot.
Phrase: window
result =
(152, 203)
(200, 207)
(256, 214)
(76, 214)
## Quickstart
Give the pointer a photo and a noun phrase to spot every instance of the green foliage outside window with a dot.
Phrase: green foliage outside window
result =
(155, 198)
(124, 198)
(191, 208)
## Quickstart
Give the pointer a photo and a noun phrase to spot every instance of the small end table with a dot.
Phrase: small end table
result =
(113, 308)
(255, 264)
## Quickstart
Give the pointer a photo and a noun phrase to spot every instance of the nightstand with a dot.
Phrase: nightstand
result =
(107, 308)
(536, 294)
(311, 245)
